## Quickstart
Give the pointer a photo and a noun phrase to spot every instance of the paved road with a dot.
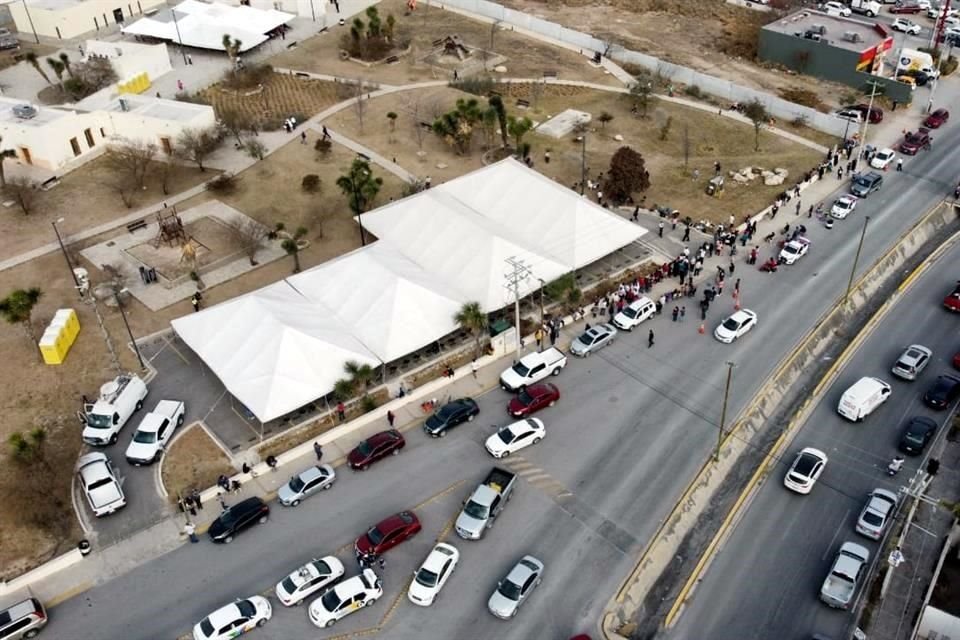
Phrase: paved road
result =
(633, 426)
(774, 593)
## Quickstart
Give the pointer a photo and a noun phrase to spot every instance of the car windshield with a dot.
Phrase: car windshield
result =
(506, 435)
(475, 510)
(206, 627)
(296, 484)
(586, 338)
(102, 482)
(288, 585)
(247, 610)
(375, 536)
(521, 370)
(862, 181)
(330, 600)
(145, 437)
(843, 204)
(872, 518)
(805, 465)
(791, 248)
(98, 420)
(631, 312)
(364, 448)
(509, 590)
(427, 578)
(524, 397)
(731, 325)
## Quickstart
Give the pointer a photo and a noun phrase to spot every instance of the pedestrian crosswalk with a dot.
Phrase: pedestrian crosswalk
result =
(537, 477)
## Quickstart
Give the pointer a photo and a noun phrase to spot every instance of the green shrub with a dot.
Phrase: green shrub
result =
(477, 85)
(368, 404)
(693, 91)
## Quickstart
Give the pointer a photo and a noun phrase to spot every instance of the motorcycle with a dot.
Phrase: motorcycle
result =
(895, 465)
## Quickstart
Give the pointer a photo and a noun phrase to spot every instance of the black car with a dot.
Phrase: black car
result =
(237, 518)
(916, 436)
(918, 76)
(450, 415)
(944, 391)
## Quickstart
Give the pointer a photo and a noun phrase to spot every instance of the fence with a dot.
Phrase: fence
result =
(726, 90)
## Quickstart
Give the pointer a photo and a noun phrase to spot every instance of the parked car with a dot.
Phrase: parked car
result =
(306, 483)
(860, 400)
(836, 8)
(533, 367)
(915, 141)
(846, 575)
(794, 250)
(387, 534)
(952, 301)
(843, 206)
(450, 415)
(514, 589)
(155, 431)
(486, 502)
(234, 620)
(23, 619)
(99, 483)
(906, 26)
(532, 399)
(634, 313)
(916, 435)
(350, 595)
(937, 119)
(906, 9)
(593, 339)
(883, 158)
(945, 390)
(806, 468)
(429, 579)
(877, 513)
(238, 517)
(308, 579)
(853, 115)
(735, 326)
(377, 446)
(919, 77)
(875, 113)
(912, 362)
(516, 436)
(8, 41)
(863, 185)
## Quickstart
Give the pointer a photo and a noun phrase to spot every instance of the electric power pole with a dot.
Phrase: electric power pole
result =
(723, 411)
(517, 273)
(874, 85)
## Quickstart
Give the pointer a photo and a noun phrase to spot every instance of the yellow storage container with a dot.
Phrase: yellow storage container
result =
(53, 347)
(67, 318)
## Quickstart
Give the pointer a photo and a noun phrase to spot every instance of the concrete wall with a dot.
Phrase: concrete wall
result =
(76, 20)
(129, 59)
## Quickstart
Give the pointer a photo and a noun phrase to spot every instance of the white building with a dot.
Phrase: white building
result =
(59, 139)
(71, 18)
(130, 59)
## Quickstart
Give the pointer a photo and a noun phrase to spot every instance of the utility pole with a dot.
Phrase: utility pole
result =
(856, 258)
(518, 272)
(30, 19)
(583, 160)
(866, 120)
(542, 282)
(723, 411)
(123, 314)
(176, 26)
(66, 256)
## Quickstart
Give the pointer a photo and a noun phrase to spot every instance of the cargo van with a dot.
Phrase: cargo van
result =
(862, 398)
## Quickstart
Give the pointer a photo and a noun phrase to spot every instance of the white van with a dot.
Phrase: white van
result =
(862, 398)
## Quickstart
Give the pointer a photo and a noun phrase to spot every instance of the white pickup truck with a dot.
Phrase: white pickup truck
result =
(533, 367)
(155, 430)
(845, 576)
(118, 400)
(484, 504)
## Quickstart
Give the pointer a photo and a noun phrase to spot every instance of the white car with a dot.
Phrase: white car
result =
(303, 485)
(794, 250)
(906, 26)
(877, 513)
(634, 313)
(429, 579)
(234, 620)
(936, 12)
(735, 326)
(853, 115)
(100, 484)
(151, 437)
(345, 598)
(843, 206)
(516, 436)
(836, 8)
(883, 158)
(514, 590)
(805, 470)
(308, 579)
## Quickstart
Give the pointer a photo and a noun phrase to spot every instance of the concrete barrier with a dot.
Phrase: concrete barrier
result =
(56, 565)
(664, 545)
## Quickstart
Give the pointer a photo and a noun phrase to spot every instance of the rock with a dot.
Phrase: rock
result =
(500, 69)
(774, 178)
(441, 165)
(618, 138)
(739, 178)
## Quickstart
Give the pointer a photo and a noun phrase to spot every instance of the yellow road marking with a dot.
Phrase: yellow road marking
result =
(70, 593)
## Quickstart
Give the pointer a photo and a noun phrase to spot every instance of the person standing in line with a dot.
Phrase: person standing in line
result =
(650, 339)
(195, 494)
(390, 418)
(676, 313)
(683, 312)
(318, 449)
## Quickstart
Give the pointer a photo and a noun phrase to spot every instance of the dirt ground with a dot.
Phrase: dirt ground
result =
(712, 139)
(710, 36)
(193, 461)
(84, 202)
(526, 57)
(10, 57)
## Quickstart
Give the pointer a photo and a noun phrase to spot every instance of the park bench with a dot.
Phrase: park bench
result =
(363, 156)
(302, 74)
(136, 226)
(551, 74)
(523, 104)
(49, 183)
(392, 60)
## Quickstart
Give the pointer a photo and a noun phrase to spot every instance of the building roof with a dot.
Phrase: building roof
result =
(840, 32)
(44, 115)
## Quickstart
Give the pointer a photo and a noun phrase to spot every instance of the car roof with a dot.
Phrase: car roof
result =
(94, 470)
(813, 452)
(244, 506)
(383, 436)
(396, 521)
(914, 351)
(742, 314)
(352, 586)
(223, 615)
(438, 556)
(521, 571)
(313, 472)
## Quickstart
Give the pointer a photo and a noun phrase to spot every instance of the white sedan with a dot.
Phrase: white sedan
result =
(735, 326)
(345, 598)
(100, 484)
(794, 250)
(805, 470)
(906, 26)
(433, 574)
(843, 206)
(836, 8)
(234, 620)
(883, 158)
(308, 579)
(516, 436)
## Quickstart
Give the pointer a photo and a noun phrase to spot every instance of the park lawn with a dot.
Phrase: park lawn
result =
(193, 461)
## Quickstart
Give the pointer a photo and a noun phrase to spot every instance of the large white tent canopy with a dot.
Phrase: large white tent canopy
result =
(203, 24)
(283, 346)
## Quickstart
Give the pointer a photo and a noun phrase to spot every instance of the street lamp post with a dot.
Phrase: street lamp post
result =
(30, 19)
(856, 258)
(66, 256)
(123, 314)
(176, 25)
(723, 411)
(542, 282)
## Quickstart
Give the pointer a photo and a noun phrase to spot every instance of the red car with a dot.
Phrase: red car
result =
(915, 141)
(876, 113)
(956, 360)
(375, 447)
(532, 399)
(952, 301)
(937, 119)
(387, 534)
(905, 8)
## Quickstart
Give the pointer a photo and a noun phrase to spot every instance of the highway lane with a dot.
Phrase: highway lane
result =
(766, 579)
(633, 426)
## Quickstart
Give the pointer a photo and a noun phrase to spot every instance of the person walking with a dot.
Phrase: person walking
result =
(899, 164)
(195, 301)
(650, 339)
(246, 468)
(676, 313)
(326, 134)
(538, 335)
(341, 411)
(303, 137)
(190, 504)
(686, 234)
(191, 532)
(272, 462)
(683, 313)
(318, 449)
(799, 205)
(390, 418)
(736, 288)
(382, 563)
(474, 367)
(660, 229)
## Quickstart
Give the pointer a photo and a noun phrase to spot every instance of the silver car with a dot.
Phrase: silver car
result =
(513, 590)
(593, 339)
(305, 484)
(877, 513)
(912, 362)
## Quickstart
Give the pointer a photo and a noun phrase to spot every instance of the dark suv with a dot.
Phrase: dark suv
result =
(237, 518)
(865, 184)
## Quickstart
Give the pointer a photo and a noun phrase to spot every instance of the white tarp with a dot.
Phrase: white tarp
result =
(203, 25)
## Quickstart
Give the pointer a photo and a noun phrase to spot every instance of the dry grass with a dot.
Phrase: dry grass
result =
(193, 461)
(526, 57)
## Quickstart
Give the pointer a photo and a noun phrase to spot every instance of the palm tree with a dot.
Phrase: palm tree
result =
(31, 57)
(361, 375)
(343, 389)
(4, 154)
(58, 68)
(17, 308)
(292, 247)
(472, 318)
(232, 47)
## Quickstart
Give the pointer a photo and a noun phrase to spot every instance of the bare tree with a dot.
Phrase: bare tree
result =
(250, 234)
(686, 145)
(360, 104)
(23, 191)
(235, 123)
(195, 145)
(255, 149)
(413, 107)
(128, 162)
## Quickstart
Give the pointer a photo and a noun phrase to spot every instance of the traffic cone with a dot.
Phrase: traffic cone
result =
(702, 329)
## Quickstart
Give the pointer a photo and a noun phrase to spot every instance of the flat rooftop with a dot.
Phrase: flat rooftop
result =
(44, 115)
(170, 110)
(53, 5)
(837, 29)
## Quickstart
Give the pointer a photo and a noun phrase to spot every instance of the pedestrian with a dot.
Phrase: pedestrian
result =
(303, 137)
(195, 301)
(336, 5)
(191, 532)
(247, 469)
(382, 563)
(686, 234)
(660, 228)
(546, 156)
(456, 75)
(223, 502)
(326, 134)
(798, 207)
(732, 267)
(650, 339)
(391, 416)
(676, 313)
(839, 173)
(899, 164)
(736, 287)
(636, 213)
(223, 482)
(474, 367)
(235, 486)
(272, 462)
(318, 449)
(683, 312)
(190, 504)
(341, 411)
(554, 335)
(538, 335)
(810, 212)
(179, 85)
